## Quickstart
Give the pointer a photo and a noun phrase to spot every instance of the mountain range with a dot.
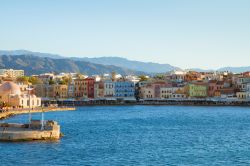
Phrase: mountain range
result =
(37, 63)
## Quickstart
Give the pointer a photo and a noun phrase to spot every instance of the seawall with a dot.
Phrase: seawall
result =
(187, 102)
(4, 115)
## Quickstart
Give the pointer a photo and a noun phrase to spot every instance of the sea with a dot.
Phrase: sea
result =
(138, 135)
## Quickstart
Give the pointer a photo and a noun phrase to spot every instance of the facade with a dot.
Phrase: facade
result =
(60, 91)
(109, 88)
(124, 89)
(71, 90)
(99, 89)
(172, 92)
(80, 89)
(197, 90)
(44, 90)
(147, 92)
(214, 86)
(11, 73)
(89, 85)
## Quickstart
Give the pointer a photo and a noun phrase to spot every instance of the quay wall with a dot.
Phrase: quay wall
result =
(20, 132)
(13, 112)
(155, 102)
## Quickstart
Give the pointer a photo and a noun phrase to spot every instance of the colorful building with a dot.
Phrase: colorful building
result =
(197, 90)
(109, 88)
(60, 91)
(124, 89)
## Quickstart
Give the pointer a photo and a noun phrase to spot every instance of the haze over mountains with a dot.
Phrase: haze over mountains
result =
(36, 63)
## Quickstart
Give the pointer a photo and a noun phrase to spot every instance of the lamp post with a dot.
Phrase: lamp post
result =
(29, 89)
(42, 119)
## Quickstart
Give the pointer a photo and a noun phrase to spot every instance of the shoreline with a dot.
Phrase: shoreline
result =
(10, 113)
(188, 102)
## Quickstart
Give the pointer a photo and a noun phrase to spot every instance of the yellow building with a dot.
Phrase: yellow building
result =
(197, 90)
(60, 91)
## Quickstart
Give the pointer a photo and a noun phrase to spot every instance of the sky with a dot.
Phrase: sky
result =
(204, 34)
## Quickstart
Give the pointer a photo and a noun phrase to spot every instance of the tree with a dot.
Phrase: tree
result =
(66, 80)
(143, 78)
(51, 82)
(159, 77)
(23, 79)
(35, 80)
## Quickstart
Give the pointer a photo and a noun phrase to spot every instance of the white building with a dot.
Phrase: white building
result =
(109, 88)
(11, 73)
(11, 94)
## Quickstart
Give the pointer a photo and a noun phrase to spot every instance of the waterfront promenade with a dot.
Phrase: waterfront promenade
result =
(183, 102)
(13, 112)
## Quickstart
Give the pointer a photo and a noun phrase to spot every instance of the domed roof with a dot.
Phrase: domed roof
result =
(10, 88)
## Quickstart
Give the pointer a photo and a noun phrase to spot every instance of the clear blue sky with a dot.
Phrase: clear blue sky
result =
(184, 33)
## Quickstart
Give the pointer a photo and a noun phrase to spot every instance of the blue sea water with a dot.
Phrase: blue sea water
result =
(139, 135)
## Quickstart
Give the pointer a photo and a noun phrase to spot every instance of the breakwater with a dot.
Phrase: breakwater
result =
(9, 113)
(191, 102)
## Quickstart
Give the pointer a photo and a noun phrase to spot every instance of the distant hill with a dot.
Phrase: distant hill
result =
(147, 67)
(235, 69)
(37, 65)
(120, 64)
(26, 52)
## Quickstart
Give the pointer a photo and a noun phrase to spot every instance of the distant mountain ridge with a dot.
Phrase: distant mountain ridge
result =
(37, 65)
(147, 67)
(124, 65)
(26, 52)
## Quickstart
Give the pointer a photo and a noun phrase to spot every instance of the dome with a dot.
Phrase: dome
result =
(10, 88)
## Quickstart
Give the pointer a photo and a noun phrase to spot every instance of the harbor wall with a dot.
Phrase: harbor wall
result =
(24, 132)
(155, 102)
(13, 112)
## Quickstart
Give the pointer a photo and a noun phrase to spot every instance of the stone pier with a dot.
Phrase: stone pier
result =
(29, 132)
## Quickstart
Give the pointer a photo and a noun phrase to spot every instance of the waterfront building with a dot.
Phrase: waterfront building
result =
(109, 88)
(124, 89)
(243, 95)
(226, 93)
(11, 73)
(80, 89)
(153, 89)
(172, 92)
(99, 90)
(44, 90)
(89, 85)
(147, 92)
(214, 86)
(71, 89)
(166, 92)
(197, 90)
(11, 94)
(60, 91)
(157, 87)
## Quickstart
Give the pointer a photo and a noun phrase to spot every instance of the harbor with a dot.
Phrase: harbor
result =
(13, 112)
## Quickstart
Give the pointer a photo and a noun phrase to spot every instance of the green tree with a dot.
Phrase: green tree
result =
(143, 78)
(23, 79)
(51, 82)
(35, 80)
(159, 77)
